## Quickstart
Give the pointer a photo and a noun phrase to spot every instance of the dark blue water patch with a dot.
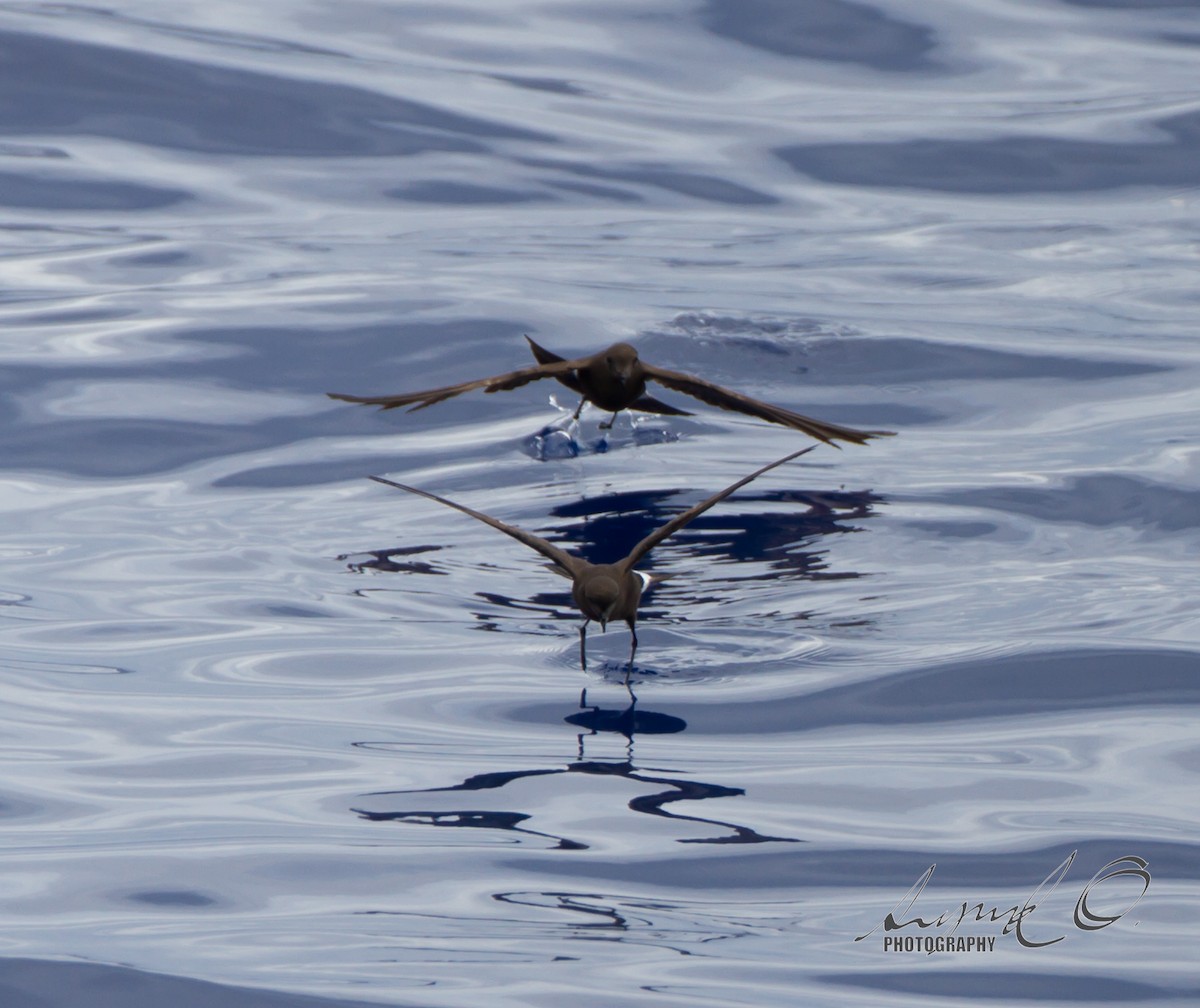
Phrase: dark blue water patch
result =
(462, 193)
(550, 85)
(954, 529)
(958, 875)
(23, 150)
(288, 612)
(754, 347)
(627, 721)
(101, 447)
(697, 185)
(92, 447)
(285, 360)
(171, 898)
(18, 808)
(1032, 684)
(49, 317)
(1136, 4)
(973, 689)
(1101, 500)
(823, 30)
(1011, 985)
(223, 38)
(44, 192)
(156, 260)
(598, 191)
(25, 667)
(69, 87)
(308, 473)
(44, 983)
(363, 360)
(1011, 686)
(1009, 165)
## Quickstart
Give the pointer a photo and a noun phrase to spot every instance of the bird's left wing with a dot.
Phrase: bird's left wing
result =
(496, 383)
(560, 557)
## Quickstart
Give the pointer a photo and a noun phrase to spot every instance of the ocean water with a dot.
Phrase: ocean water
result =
(274, 735)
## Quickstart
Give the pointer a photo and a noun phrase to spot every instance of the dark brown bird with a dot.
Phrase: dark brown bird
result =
(615, 379)
(603, 592)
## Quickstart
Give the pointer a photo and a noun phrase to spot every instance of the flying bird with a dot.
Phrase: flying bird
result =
(602, 592)
(615, 379)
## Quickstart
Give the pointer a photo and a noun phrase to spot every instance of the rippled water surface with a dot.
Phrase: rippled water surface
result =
(272, 727)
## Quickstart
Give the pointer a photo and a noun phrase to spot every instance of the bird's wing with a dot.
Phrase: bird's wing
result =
(726, 399)
(544, 356)
(680, 520)
(540, 353)
(560, 557)
(497, 383)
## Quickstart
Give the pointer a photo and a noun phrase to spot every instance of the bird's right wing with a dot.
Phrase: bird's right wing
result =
(497, 383)
(561, 558)
(727, 399)
(680, 520)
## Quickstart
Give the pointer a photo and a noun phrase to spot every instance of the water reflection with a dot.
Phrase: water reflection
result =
(757, 546)
(384, 560)
(629, 722)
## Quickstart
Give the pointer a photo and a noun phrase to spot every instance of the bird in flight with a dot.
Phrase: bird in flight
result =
(615, 379)
(602, 592)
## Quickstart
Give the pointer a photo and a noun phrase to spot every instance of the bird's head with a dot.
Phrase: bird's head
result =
(602, 594)
(621, 359)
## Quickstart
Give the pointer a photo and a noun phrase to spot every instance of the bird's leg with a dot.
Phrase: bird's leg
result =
(579, 408)
(583, 645)
(612, 420)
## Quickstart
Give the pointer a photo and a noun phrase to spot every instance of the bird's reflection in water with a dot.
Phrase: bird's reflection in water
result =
(614, 522)
(781, 540)
(629, 722)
